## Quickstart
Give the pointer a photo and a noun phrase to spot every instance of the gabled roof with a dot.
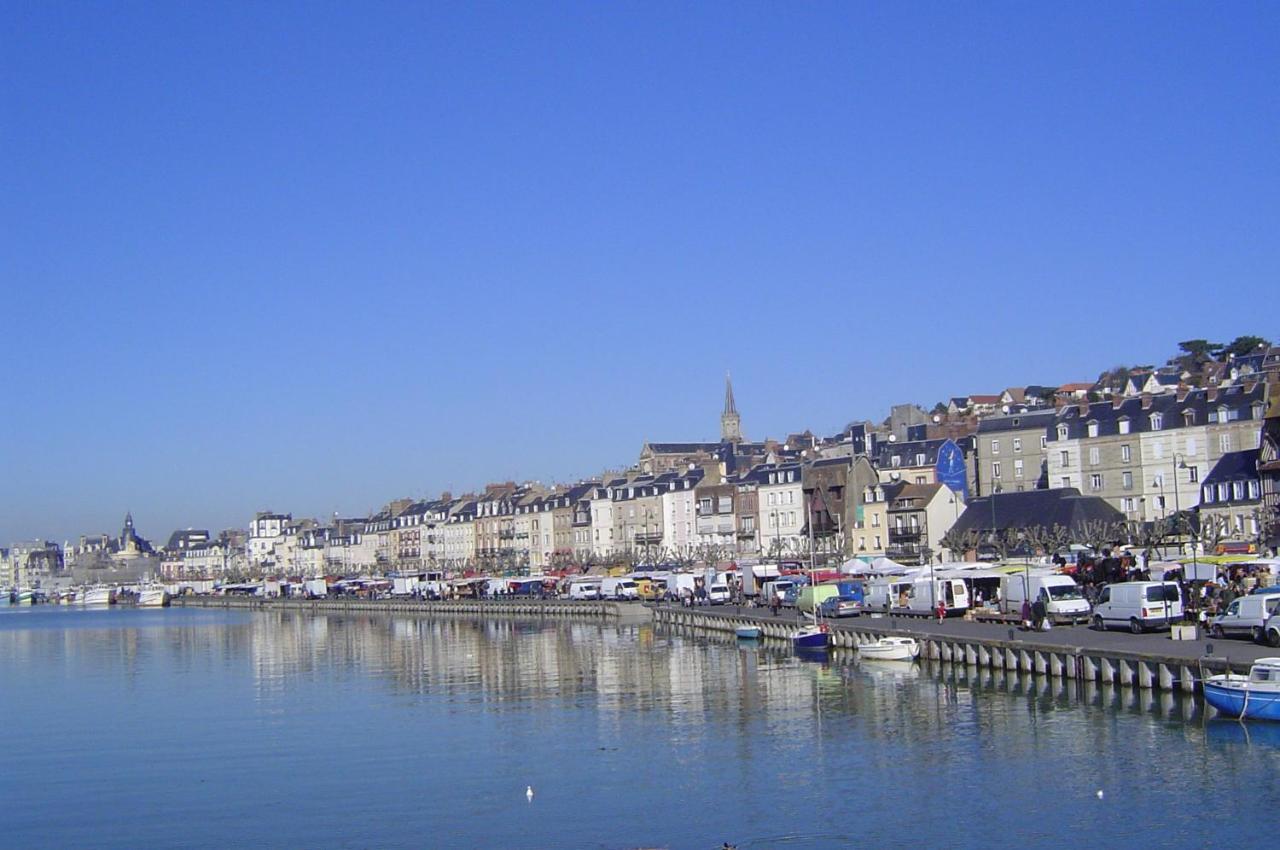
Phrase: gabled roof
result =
(1234, 466)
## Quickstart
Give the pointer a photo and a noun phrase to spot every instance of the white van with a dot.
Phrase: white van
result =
(1246, 615)
(925, 594)
(584, 590)
(718, 593)
(619, 588)
(1061, 596)
(1138, 604)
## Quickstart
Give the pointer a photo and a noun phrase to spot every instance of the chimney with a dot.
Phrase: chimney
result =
(1183, 389)
(1146, 401)
(1117, 402)
(1211, 395)
(1083, 406)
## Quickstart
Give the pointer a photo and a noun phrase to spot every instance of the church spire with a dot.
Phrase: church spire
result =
(730, 422)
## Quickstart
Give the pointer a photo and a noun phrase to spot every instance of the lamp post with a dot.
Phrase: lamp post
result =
(1179, 462)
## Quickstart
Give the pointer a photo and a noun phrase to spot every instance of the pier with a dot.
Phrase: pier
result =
(620, 612)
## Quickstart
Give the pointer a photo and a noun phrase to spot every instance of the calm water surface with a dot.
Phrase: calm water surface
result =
(213, 729)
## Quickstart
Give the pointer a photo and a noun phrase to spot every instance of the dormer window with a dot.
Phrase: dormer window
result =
(1124, 425)
(1093, 427)
(1062, 432)
(895, 461)
(1257, 410)
(1157, 422)
(1188, 418)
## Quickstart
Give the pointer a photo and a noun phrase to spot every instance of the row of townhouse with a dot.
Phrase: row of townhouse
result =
(1148, 455)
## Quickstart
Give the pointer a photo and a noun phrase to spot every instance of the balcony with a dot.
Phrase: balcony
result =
(906, 536)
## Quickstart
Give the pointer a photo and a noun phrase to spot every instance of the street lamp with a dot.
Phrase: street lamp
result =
(1179, 462)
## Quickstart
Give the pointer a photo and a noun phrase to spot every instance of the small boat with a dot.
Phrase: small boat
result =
(22, 597)
(748, 632)
(96, 597)
(890, 649)
(1256, 696)
(152, 596)
(813, 636)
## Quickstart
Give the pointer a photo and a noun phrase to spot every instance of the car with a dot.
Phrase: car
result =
(840, 606)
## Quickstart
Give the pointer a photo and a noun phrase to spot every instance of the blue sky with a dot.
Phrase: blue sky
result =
(315, 256)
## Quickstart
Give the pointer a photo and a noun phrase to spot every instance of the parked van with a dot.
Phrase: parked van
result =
(777, 588)
(718, 593)
(1140, 605)
(1246, 615)
(584, 590)
(1060, 594)
(926, 592)
(619, 588)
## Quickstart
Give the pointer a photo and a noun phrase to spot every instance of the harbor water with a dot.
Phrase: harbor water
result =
(212, 729)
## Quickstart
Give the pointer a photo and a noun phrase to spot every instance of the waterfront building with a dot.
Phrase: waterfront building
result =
(919, 515)
(779, 508)
(265, 530)
(1146, 455)
(679, 506)
(1231, 501)
(458, 535)
(1269, 464)
(1012, 451)
(716, 520)
(869, 537)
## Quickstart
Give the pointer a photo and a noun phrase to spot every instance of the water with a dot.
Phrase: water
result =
(213, 729)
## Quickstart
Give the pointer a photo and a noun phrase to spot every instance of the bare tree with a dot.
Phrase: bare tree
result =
(1097, 533)
(959, 543)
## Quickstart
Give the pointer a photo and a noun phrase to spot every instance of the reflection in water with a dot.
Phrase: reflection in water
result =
(632, 735)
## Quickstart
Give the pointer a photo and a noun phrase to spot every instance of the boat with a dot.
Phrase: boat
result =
(152, 596)
(812, 636)
(1252, 697)
(96, 597)
(22, 597)
(890, 649)
(815, 635)
(749, 632)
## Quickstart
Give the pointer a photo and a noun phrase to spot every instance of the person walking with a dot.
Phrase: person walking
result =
(1026, 614)
(942, 610)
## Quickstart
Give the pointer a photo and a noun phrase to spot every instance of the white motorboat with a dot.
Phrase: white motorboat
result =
(95, 597)
(152, 596)
(890, 649)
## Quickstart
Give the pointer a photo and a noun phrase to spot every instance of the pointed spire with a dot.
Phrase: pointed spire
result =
(730, 409)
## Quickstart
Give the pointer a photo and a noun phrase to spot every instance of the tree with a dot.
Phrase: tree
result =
(959, 543)
(1049, 539)
(1098, 533)
(1210, 533)
(1244, 345)
(1194, 353)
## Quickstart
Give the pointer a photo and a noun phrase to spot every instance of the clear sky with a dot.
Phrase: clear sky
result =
(315, 256)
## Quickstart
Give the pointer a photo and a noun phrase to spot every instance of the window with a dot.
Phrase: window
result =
(1095, 482)
(1126, 504)
(1062, 432)
(1193, 474)
(1237, 490)
(1126, 454)
(726, 505)
(895, 461)
(995, 447)
(1124, 425)
(1157, 450)
(1017, 444)
(877, 541)
(1044, 441)
(1253, 490)
(1188, 418)
(773, 498)
(1093, 429)
(1206, 494)
(1191, 445)
(1065, 458)
(1224, 442)
(1017, 469)
(1158, 480)
(920, 459)
(1126, 480)
(1066, 481)
(1160, 504)
(704, 506)
(1224, 492)
(875, 523)
(995, 470)
(1157, 422)
(1093, 455)
(921, 479)
(748, 523)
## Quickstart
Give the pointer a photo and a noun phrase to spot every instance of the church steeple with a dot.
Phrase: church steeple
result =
(730, 422)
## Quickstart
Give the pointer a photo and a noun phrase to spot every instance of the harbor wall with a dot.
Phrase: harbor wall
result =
(604, 610)
(1015, 654)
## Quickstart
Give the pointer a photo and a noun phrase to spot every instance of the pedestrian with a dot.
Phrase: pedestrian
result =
(775, 605)
(1038, 614)
(1026, 614)
(942, 610)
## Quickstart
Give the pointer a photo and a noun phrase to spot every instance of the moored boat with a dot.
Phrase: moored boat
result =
(96, 597)
(813, 636)
(890, 649)
(22, 597)
(152, 596)
(749, 632)
(1252, 697)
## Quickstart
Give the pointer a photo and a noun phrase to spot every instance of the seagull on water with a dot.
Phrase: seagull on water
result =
(528, 793)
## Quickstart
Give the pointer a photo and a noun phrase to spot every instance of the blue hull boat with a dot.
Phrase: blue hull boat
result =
(749, 632)
(812, 637)
(1252, 697)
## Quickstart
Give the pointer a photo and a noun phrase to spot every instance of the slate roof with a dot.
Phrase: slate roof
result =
(1042, 419)
(1063, 506)
(1235, 398)
(1234, 466)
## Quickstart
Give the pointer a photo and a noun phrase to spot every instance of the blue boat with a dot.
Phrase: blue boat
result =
(749, 632)
(1252, 697)
(811, 637)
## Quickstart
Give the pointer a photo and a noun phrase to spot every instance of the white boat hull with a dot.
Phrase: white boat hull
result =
(152, 597)
(98, 597)
(890, 649)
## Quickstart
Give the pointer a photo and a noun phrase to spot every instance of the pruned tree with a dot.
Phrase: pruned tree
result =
(1049, 539)
(958, 543)
(1099, 533)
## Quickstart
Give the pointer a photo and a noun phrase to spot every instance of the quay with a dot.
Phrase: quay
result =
(1149, 661)
(618, 612)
